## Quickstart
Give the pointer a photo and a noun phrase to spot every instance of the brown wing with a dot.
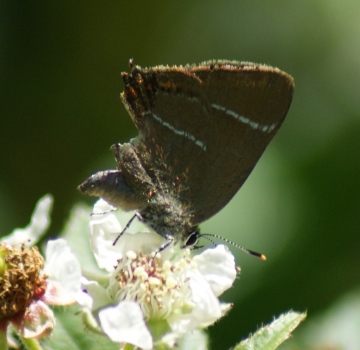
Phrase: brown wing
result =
(206, 125)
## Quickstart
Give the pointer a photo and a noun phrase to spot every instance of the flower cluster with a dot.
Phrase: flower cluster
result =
(27, 283)
(151, 300)
(143, 297)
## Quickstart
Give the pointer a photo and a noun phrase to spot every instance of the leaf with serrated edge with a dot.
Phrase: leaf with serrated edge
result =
(272, 335)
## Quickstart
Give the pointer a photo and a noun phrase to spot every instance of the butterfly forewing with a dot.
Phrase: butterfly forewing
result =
(203, 128)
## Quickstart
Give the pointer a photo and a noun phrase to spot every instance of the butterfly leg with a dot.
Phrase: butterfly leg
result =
(169, 240)
(136, 215)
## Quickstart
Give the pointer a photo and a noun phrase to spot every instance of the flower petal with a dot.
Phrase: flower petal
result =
(37, 322)
(145, 242)
(64, 269)
(206, 309)
(98, 296)
(217, 265)
(40, 221)
(104, 229)
(124, 323)
(196, 339)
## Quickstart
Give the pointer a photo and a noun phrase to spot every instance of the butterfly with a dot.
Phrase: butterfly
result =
(202, 129)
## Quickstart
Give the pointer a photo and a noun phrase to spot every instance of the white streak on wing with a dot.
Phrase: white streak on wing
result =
(180, 132)
(254, 125)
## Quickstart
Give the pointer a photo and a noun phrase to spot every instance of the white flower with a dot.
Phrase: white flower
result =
(170, 291)
(40, 221)
(128, 325)
(64, 273)
(28, 284)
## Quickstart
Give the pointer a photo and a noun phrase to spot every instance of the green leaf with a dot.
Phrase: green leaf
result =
(70, 333)
(336, 327)
(271, 336)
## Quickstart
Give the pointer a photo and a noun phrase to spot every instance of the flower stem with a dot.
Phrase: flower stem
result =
(127, 347)
(30, 344)
(3, 341)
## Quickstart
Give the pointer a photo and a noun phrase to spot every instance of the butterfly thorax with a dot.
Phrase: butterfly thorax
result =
(167, 216)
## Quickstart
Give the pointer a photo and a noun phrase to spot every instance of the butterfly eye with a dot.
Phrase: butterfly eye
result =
(192, 239)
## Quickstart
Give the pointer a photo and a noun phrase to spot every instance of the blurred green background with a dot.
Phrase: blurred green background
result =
(60, 112)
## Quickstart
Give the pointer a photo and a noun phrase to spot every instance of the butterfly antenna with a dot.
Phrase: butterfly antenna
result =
(248, 251)
(208, 238)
